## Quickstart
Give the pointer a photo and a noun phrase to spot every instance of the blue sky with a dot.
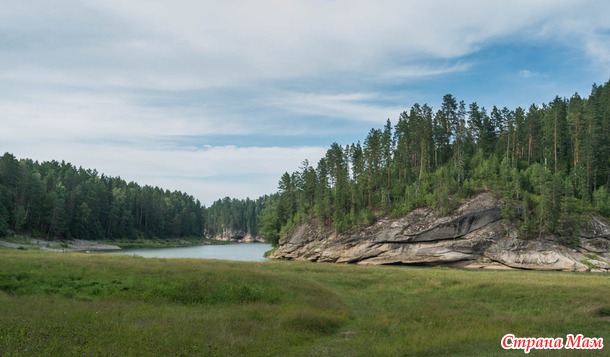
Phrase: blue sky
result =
(220, 98)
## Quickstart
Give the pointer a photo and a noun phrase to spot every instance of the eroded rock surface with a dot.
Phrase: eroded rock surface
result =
(472, 236)
(237, 235)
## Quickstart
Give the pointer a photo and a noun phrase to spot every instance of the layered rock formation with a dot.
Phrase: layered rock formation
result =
(239, 236)
(472, 236)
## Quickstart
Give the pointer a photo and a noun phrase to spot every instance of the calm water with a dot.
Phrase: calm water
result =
(252, 252)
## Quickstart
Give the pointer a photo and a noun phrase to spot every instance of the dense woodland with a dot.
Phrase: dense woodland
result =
(235, 215)
(550, 164)
(59, 201)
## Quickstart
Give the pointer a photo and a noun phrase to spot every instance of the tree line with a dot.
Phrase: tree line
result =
(235, 215)
(550, 163)
(57, 200)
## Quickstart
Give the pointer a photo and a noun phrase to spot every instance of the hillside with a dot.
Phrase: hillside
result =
(472, 236)
(548, 168)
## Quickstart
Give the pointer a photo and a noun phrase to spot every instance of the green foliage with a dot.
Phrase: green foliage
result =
(601, 200)
(236, 215)
(528, 226)
(548, 164)
(58, 200)
(271, 225)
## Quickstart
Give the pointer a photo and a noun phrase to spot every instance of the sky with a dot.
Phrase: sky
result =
(219, 98)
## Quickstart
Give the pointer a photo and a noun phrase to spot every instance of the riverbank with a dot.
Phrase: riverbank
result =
(73, 245)
(75, 304)
(166, 243)
(80, 245)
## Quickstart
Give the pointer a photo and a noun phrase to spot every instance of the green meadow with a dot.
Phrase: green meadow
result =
(54, 304)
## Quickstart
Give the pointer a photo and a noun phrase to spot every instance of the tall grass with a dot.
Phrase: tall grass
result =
(75, 304)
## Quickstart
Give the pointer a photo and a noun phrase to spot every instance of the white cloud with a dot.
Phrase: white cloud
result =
(208, 44)
(583, 26)
(350, 106)
(598, 47)
(189, 45)
(104, 83)
(75, 115)
(424, 71)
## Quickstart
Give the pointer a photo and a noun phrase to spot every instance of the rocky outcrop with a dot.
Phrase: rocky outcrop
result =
(239, 236)
(536, 254)
(472, 236)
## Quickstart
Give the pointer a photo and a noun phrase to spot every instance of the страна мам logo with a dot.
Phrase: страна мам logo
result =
(570, 342)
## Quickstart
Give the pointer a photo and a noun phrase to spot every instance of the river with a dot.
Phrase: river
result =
(252, 252)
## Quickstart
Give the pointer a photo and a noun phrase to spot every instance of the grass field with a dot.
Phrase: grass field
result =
(80, 304)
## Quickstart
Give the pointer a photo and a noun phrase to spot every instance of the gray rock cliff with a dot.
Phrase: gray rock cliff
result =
(239, 236)
(472, 236)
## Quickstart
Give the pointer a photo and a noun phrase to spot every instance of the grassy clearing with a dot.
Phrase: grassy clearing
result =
(75, 304)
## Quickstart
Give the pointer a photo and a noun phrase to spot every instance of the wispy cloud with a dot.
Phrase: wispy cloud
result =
(364, 107)
(422, 71)
(525, 73)
(598, 47)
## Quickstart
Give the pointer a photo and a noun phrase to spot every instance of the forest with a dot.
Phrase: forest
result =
(60, 201)
(549, 163)
(235, 214)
